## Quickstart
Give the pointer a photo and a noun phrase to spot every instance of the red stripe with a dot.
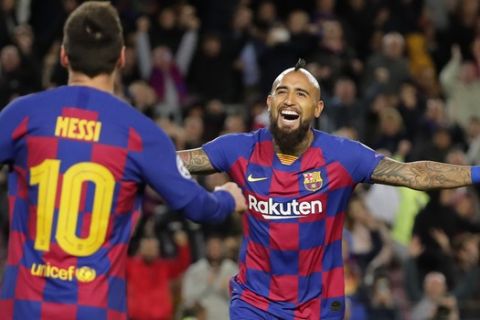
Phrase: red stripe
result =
(79, 113)
(255, 300)
(15, 247)
(135, 142)
(238, 170)
(21, 129)
(22, 184)
(7, 309)
(312, 159)
(41, 148)
(263, 154)
(338, 176)
(113, 158)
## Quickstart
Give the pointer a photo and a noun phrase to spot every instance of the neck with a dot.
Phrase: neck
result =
(104, 82)
(300, 148)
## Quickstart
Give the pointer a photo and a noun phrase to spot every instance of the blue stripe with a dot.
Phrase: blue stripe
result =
(9, 282)
(475, 174)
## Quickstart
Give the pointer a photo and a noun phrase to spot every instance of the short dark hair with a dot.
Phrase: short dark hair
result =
(301, 63)
(93, 38)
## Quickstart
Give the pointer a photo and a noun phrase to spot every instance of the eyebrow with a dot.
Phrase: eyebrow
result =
(296, 89)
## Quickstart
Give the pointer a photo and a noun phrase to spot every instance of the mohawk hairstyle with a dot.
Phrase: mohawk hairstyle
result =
(300, 64)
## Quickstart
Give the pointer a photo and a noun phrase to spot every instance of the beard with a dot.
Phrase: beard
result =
(288, 141)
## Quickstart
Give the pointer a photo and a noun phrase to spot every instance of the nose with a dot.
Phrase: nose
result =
(290, 98)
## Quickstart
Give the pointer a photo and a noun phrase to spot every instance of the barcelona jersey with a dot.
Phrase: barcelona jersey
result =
(291, 263)
(79, 159)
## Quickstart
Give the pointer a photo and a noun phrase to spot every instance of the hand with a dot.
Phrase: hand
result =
(382, 75)
(441, 238)
(181, 238)
(404, 147)
(415, 248)
(193, 23)
(143, 24)
(236, 192)
(456, 52)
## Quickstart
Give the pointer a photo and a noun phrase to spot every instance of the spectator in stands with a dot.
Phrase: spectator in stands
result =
(333, 57)
(211, 74)
(344, 108)
(382, 304)
(473, 136)
(371, 243)
(391, 131)
(149, 277)
(388, 68)
(164, 30)
(241, 48)
(436, 226)
(206, 282)
(8, 21)
(193, 132)
(461, 85)
(435, 303)
(15, 78)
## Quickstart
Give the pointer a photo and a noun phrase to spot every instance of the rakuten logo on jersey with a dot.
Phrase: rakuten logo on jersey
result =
(284, 210)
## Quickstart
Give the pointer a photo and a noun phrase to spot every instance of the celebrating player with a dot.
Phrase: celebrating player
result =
(79, 159)
(297, 182)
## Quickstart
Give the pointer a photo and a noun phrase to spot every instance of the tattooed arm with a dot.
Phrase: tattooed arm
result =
(196, 161)
(421, 175)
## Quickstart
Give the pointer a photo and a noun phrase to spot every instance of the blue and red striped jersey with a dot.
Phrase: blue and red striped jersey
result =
(79, 159)
(291, 255)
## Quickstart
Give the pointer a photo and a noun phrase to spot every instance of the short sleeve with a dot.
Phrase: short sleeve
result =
(365, 161)
(223, 151)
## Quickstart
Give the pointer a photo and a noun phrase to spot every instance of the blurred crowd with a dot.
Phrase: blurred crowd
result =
(402, 76)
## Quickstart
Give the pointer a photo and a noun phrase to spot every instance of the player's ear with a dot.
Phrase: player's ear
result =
(121, 59)
(318, 108)
(64, 57)
(269, 101)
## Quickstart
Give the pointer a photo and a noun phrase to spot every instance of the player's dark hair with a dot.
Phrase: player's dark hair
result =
(93, 38)
(300, 64)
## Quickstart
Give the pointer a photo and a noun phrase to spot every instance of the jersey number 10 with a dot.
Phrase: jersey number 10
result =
(46, 176)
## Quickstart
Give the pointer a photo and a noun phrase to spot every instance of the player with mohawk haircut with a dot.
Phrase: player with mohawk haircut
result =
(297, 181)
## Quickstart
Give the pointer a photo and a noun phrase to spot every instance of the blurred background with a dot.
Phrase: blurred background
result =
(402, 76)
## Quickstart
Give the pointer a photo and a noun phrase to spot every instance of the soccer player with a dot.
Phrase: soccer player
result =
(79, 159)
(297, 182)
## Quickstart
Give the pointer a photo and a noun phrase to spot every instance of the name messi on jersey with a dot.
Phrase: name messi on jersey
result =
(76, 128)
(280, 210)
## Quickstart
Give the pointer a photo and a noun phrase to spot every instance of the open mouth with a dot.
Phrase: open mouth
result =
(289, 115)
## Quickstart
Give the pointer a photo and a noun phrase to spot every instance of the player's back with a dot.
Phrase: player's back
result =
(73, 202)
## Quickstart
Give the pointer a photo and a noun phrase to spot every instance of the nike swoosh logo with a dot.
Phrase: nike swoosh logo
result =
(253, 179)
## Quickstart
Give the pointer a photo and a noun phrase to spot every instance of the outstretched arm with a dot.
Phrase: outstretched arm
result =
(422, 175)
(196, 161)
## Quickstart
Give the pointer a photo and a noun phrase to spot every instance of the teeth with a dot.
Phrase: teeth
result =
(289, 112)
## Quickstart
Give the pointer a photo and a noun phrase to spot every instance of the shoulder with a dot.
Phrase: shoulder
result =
(238, 142)
(27, 100)
(340, 147)
(333, 141)
(199, 266)
(22, 107)
(244, 137)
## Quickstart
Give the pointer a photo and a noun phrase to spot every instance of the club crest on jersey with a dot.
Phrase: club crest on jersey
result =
(312, 180)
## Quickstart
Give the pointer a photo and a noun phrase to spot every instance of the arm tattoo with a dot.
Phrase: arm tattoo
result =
(421, 175)
(196, 161)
